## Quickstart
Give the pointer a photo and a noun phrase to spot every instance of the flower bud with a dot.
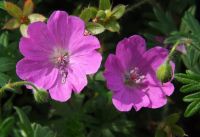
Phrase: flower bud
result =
(164, 72)
(41, 96)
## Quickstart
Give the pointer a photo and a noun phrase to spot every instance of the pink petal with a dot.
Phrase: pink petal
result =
(125, 100)
(130, 51)
(168, 88)
(77, 78)
(31, 50)
(114, 73)
(84, 45)
(65, 29)
(41, 74)
(156, 96)
(154, 57)
(40, 36)
(75, 30)
(61, 92)
(57, 26)
(89, 62)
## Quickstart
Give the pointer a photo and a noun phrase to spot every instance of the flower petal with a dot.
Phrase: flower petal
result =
(130, 51)
(65, 29)
(31, 50)
(57, 26)
(61, 92)
(77, 78)
(125, 100)
(153, 58)
(84, 45)
(89, 62)
(168, 88)
(40, 36)
(113, 73)
(156, 96)
(41, 74)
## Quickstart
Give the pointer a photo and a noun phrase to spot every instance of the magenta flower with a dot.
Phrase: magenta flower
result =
(131, 75)
(57, 55)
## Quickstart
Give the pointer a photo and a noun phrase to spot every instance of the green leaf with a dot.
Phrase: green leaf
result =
(192, 108)
(6, 126)
(118, 11)
(28, 7)
(4, 39)
(12, 24)
(192, 97)
(4, 79)
(88, 13)
(190, 87)
(160, 133)
(35, 17)
(24, 122)
(95, 28)
(40, 131)
(101, 15)
(165, 23)
(104, 4)
(6, 64)
(178, 131)
(113, 26)
(23, 30)
(2, 6)
(192, 23)
(13, 10)
(172, 119)
(185, 79)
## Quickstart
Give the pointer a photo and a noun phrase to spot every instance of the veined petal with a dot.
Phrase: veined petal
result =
(61, 91)
(89, 62)
(114, 73)
(77, 78)
(125, 100)
(41, 74)
(130, 51)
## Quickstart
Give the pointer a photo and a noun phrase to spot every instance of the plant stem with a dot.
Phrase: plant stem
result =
(17, 84)
(172, 51)
(135, 6)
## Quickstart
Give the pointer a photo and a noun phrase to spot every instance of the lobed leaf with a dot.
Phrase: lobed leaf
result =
(12, 24)
(6, 64)
(95, 28)
(13, 10)
(104, 4)
(190, 87)
(192, 108)
(113, 26)
(192, 97)
(88, 13)
(6, 126)
(118, 11)
(28, 7)
(24, 122)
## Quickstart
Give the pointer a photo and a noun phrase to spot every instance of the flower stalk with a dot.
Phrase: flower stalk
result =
(10, 86)
(172, 51)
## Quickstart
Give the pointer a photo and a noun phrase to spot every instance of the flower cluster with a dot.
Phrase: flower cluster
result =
(58, 56)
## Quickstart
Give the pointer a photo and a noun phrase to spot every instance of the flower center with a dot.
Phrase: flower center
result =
(134, 77)
(61, 61)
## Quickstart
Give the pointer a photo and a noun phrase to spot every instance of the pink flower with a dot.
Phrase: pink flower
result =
(131, 75)
(57, 55)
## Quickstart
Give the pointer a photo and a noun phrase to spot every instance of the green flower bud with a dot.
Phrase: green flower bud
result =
(164, 72)
(41, 96)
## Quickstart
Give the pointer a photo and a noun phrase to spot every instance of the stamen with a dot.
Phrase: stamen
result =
(134, 77)
(61, 61)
